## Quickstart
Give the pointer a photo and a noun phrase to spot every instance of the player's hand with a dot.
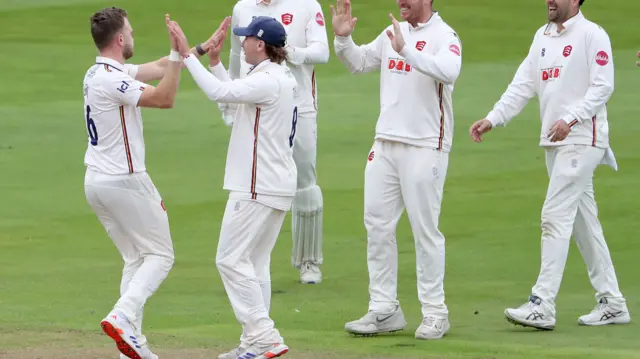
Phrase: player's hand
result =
(479, 128)
(180, 38)
(638, 63)
(216, 42)
(559, 131)
(174, 45)
(397, 41)
(341, 19)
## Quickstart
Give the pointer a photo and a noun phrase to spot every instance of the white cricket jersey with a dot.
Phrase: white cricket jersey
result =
(571, 72)
(112, 118)
(307, 42)
(416, 84)
(260, 162)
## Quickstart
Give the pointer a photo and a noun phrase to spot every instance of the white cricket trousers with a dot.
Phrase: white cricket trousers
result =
(570, 207)
(247, 237)
(131, 211)
(398, 175)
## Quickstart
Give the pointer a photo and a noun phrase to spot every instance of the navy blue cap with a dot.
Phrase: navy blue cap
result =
(266, 29)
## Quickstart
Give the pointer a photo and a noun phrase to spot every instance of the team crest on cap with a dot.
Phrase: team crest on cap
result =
(287, 18)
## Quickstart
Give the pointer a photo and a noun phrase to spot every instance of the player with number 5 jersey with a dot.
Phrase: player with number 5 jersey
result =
(260, 173)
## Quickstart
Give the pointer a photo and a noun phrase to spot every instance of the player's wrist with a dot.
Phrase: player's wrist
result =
(201, 51)
(174, 56)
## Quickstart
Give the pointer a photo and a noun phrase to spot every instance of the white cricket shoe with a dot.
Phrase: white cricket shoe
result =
(256, 352)
(375, 323)
(117, 327)
(433, 327)
(310, 273)
(605, 313)
(233, 354)
(534, 314)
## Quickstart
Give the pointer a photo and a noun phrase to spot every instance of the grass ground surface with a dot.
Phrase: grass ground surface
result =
(59, 272)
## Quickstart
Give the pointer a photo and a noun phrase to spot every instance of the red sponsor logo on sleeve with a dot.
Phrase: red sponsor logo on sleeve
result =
(420, 45)
(287, 18)
(455, 49)
(567, 50)
(162, 205)
(602, 58)
(320, 19)
(370, 156)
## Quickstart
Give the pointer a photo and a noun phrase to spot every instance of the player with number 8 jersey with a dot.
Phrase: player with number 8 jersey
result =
(260, 173)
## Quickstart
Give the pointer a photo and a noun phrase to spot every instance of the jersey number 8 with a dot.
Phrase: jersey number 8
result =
(91, 128)
(294, 122)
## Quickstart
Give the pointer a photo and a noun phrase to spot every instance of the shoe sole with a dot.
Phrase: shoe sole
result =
(116, 334)
(516, 322)
(373, 334)
(580, 322)
(270, 355)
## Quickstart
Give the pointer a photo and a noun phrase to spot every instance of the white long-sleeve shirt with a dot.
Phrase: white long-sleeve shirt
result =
(307, 42)
(416, 84)
(113, 120)
(260, 162)
(572, 74)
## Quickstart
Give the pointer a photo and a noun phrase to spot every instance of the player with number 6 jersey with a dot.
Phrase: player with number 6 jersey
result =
(117, 186)
(260, 173)
(307, 45)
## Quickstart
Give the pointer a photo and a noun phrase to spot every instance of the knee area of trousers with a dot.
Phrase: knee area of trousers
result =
(224, 264)
(308, 199)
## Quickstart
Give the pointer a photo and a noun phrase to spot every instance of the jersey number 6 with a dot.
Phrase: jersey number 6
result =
(91, 128)
(294, 122)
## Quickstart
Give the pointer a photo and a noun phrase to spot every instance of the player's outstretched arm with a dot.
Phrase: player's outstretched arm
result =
(317, 43)
(521, 89)
(358, 59)
(155, 70)
(444, 66)
(164, 95)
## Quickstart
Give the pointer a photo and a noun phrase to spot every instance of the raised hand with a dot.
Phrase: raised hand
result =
(174, 45)
(341, 19)
(479, 128)
(180, 38)
(397, 41)
(216, 42)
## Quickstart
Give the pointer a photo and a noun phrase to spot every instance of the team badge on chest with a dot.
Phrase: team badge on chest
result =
(420, 45)
(287, 18)
(567, 51)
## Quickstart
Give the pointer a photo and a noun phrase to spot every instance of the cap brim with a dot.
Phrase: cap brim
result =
(241, 31)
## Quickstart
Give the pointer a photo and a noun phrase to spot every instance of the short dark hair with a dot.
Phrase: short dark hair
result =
(581, 1)
(105, 24)
(276, 54)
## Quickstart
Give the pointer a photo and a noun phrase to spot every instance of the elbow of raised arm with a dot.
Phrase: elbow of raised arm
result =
(324, 56)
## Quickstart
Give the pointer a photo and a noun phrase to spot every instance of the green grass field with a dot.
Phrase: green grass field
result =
(60, 273)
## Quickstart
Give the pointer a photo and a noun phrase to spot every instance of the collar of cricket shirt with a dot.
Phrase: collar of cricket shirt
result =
(552, 29)
(101, 60)
(265, 2)
(421, 25)
(259, 66)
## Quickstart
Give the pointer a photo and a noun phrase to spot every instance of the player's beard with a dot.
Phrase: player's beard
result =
(127, 52)
(557, 16)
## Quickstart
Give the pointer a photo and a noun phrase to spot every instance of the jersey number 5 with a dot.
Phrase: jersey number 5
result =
(294, 122)
(91, 128)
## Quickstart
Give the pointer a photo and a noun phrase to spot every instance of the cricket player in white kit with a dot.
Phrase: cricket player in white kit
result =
(117, 186)
(419, 61)
(570, 68)
(260, 174)
(307, 45)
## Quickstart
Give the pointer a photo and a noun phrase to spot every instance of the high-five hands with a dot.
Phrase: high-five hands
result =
(397, 41)
(341, 19)
(216, 41)
(180, 39)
